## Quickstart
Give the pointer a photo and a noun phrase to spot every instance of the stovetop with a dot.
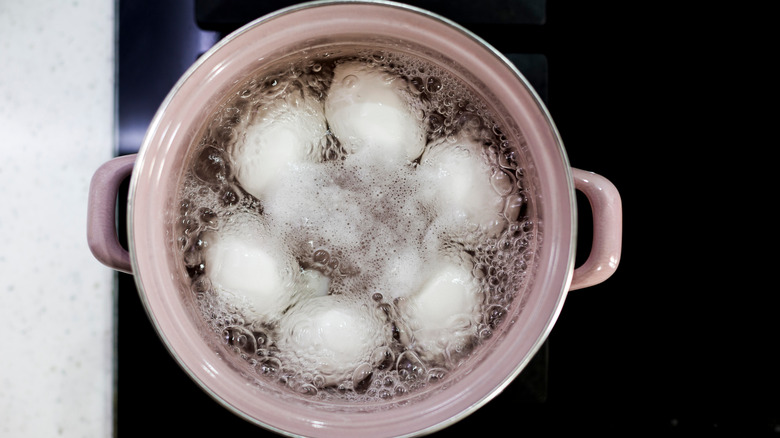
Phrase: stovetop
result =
(621, 357)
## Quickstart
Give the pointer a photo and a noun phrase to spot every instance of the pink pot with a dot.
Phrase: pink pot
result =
(157, 170)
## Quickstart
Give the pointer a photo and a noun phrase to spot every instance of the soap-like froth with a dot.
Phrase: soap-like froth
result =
(458, 183)
(368, 108)
(444, 313)
(282, 135)
(360, 210)
(332, 336)
(402, 272)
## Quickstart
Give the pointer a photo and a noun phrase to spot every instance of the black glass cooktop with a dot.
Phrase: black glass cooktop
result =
(625, 356)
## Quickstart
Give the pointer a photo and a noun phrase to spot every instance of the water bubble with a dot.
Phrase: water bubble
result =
(409, 366)
(271, 366)
(434, 84)
(383, 357)
(512, 210)
(184, 207)
(361, 377)
(435, 122)
(196, 270)
(494, 315)
(201, 285)
(229, 197)
(321, 256)
(502, 182)
(261, 337)
(485, 333)
(307, 389)
(240, 338)
(436, 374)
(208, 217)
(182, 241)
(186, 225)
(504, 244)
(480, 271)
(416, 85)
(319, 381)
(468, 121)
(211, 166)
(508, 159)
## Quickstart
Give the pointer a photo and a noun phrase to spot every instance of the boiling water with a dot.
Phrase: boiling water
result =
(355, 224)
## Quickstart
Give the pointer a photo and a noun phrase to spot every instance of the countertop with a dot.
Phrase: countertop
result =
(681, 341)
(56, 300)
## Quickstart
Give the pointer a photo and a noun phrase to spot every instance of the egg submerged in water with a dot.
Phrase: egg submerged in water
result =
(283, 134)
(458, 185)
(368, 108)
(443, 315)
(331, 336)
(255, 274)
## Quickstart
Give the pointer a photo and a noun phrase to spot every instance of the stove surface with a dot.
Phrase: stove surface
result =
(639, 353)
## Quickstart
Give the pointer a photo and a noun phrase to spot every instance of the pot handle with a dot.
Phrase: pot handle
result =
(101, 213)
(607, 229)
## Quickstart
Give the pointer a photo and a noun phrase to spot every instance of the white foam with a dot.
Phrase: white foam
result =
(402, 272)
(332, 336)
(281, 136)
(444, 312)
(316, 207)
(360, 207)
(366, 108)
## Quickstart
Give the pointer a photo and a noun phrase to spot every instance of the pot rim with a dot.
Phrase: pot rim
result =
(142, 163)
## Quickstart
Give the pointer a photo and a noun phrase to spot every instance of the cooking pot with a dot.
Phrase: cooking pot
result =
(157, 170)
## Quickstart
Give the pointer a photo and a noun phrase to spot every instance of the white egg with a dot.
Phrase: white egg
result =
(285, 133)
(458, 183)
(331, 336)
(444, 313)
(249, 274)
(367, 108)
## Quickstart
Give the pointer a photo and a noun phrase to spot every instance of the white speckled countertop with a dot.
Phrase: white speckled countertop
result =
(56, 305)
